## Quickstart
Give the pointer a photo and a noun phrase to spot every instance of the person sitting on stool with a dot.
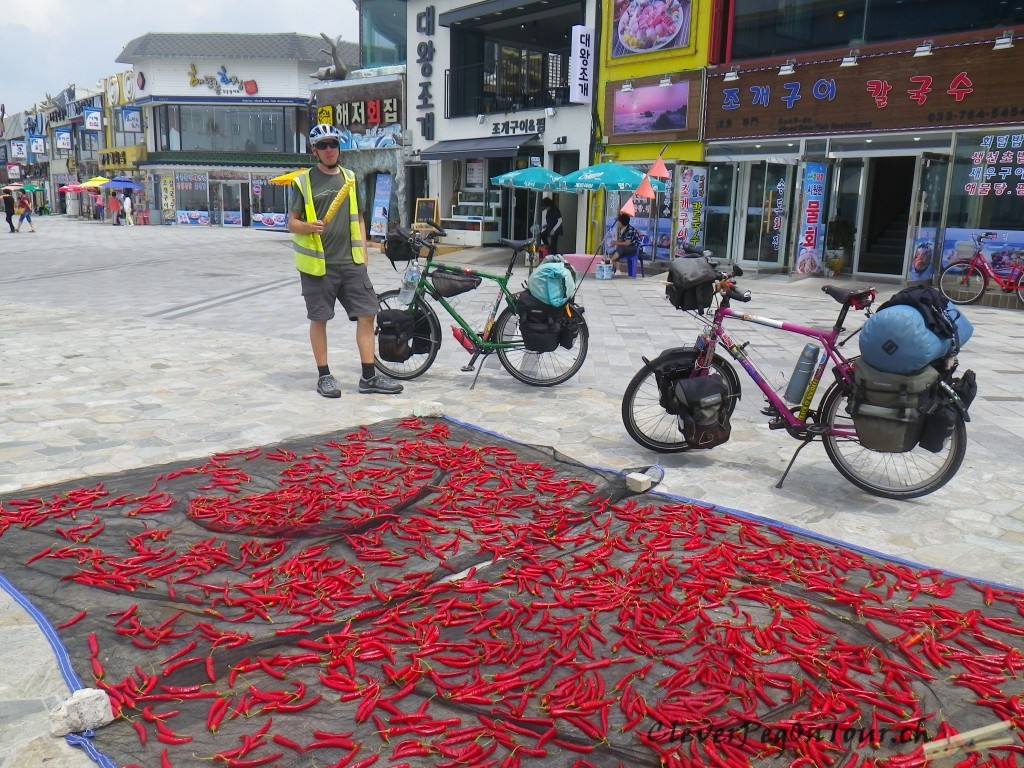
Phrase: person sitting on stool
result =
(625, 240)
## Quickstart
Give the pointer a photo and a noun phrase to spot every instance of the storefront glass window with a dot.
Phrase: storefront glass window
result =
(717, 214)
(773, 27)
(383, 32)
(192, 127)
(987, 186)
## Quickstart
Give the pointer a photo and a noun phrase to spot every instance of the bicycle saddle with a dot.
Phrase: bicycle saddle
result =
(516, 244)
(855, 296)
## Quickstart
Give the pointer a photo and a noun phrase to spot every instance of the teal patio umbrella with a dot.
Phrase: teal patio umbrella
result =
(534, 177)
(614, 177)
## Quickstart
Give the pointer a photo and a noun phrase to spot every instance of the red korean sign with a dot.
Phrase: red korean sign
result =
(958, 85)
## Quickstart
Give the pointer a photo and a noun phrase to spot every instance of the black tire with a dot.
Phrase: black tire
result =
(962, 283)
(891, 475)
(418, 364)
(538, 369)
(646, 421)
(1020, 287)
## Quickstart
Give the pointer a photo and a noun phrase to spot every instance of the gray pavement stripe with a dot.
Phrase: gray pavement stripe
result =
(85, 270)
(191, 308)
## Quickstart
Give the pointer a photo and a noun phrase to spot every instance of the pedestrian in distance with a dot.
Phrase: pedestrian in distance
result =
(8, 199)
(128, 207)
(330, 253)
(25, 203)
(114, 206)
(552, 225)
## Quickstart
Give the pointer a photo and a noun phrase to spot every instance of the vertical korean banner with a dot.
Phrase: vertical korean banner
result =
(693, 193)
(381, 203)
(809, 260)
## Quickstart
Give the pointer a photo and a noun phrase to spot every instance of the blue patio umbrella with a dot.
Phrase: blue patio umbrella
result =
(121, 182)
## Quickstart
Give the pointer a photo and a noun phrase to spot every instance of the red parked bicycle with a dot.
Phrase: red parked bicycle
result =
(965, 281)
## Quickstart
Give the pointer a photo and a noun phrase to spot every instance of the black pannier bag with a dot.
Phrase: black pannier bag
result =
(572, 315)
(889, 409)
(540, 324)
(397, 248)
(691, 283)
(450, 282)
(703, 413)
(394, 335)
(940, 422)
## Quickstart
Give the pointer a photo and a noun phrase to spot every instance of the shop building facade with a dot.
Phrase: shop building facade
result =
(493, 87)
(911, 145)
(205, 121)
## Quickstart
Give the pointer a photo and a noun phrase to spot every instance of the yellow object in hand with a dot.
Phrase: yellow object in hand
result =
(338, 200)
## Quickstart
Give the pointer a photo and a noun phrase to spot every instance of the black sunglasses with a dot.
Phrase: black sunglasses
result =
(326, 145)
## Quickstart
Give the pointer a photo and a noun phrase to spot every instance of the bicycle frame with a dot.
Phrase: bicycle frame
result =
(1011, 274)
(715, 333)
(482, 344)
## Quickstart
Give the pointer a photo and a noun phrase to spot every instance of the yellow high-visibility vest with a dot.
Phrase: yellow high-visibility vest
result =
(309, 249)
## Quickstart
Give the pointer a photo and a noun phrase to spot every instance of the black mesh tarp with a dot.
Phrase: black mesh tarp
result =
(421, 593)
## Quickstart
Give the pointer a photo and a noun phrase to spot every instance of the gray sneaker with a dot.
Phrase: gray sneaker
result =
(328, 386)
(380, 385)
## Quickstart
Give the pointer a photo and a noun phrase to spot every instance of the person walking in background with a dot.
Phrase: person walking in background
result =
(625, 240)
(114, 206)
(129, 209)
(330, 254)
(552, 225)
(25, 203)
(9, 209)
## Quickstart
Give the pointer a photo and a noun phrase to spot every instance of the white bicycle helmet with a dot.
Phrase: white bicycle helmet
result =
(323, 131)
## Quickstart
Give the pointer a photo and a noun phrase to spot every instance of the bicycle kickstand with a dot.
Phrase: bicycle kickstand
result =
(792, 461)
(469, 367)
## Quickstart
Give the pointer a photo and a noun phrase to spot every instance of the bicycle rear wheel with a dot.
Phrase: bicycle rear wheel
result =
(962, 283)
(538, 369)
(907, 475)
(1020, 287)
(643, 413)
(425, 337)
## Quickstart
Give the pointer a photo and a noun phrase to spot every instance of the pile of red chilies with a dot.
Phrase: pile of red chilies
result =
(346, 631)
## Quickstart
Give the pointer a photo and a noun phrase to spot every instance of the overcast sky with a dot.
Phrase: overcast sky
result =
(45, 45)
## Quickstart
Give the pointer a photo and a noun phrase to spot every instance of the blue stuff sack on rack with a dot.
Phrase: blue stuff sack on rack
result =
(914, 328)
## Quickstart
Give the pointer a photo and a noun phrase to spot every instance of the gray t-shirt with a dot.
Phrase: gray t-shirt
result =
(336, 238)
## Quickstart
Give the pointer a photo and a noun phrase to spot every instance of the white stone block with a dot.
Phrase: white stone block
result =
(87, 708)
(427, 408)
(638, 482)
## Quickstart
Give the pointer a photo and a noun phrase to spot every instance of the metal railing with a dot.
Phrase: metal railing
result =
(481, 89)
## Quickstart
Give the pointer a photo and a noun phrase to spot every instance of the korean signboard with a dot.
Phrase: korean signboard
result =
(956, 86)
(810, 251)
(693, 195)
(426, 25)
(581, 65)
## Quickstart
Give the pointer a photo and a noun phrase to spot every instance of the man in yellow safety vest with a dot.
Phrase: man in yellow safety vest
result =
(330, 255)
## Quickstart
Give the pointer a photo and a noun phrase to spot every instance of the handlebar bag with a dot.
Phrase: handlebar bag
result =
(702, 416)
(395, 335)
(449, 282)
(889, 409)
(397, 248)
(691, 282)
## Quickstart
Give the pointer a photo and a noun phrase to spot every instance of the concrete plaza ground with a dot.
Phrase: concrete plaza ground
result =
(129, 347)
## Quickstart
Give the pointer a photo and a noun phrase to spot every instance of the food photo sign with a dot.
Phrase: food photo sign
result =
(648, 26)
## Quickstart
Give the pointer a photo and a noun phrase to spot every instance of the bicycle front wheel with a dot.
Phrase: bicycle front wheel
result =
(906, 475)
(1020, 287)
(962, 283)
(426, 340)
(643, 409)
(538, 369)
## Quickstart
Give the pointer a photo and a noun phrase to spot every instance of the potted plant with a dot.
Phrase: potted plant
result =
(838, 243)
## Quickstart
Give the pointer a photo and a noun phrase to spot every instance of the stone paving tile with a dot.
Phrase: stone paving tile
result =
(130, 347)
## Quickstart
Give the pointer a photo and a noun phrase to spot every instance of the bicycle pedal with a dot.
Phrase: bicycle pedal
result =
(778, 423)
(467, 368)
(769, 410)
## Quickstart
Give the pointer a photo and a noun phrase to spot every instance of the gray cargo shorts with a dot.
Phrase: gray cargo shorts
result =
(348, 283)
